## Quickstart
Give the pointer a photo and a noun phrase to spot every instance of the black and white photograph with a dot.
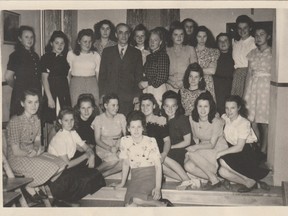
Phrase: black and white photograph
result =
(126, 104)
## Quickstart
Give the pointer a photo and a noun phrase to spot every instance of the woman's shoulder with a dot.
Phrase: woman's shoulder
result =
(217, 121)
(159, 120)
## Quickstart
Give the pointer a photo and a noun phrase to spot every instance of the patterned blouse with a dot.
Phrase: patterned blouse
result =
(99, 48)
(207, 56)
(23, 132)
(188, 98)
(143, 154)
(156, 68)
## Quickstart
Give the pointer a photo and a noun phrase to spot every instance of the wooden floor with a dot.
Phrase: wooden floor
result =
(109, 197)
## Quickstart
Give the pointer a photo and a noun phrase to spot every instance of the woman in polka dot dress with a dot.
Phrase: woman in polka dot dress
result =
(257, 93)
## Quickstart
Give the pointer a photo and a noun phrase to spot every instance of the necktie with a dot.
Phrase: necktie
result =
(122, 53)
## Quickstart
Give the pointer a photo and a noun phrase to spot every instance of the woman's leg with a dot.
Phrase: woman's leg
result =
(176, 167)
(264, 137)
(191, 168)
(170, 173)
(233, 176)
(114, 167)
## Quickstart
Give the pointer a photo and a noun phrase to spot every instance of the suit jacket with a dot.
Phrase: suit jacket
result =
(121, 76)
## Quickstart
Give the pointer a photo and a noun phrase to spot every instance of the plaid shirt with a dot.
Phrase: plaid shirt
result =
(156, 68)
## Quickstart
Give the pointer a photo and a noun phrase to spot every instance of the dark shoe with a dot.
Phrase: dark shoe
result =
(42, 194)
(226, 184)
(167, 202)
(263, 185)
(31, 200)
(245, 189)
(209, 186)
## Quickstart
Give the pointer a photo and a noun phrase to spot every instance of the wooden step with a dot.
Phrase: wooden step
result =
(10, 197)
(219, 197)
(10, 184)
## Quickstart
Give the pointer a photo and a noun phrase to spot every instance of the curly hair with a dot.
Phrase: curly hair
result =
(98, 26)
(210, 42)
(161, 34)
(172, 95)
(212, 111)
(58, 34)
(20, 31)
(81, 34)
(135, 116)
(140, 27)
(244, 19)
(197, 68)
(86, 98)
(176, 25)
(150, 97)
(241, 104)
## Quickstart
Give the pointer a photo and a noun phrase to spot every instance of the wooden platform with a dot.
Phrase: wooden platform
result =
(108, 196)
(10, 184)
(10, 197)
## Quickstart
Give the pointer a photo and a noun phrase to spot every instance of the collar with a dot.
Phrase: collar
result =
(121, 47)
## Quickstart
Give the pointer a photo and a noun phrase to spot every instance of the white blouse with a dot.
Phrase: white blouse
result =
(241, 49)
(240, 128)
(86, 64)
(65, 143)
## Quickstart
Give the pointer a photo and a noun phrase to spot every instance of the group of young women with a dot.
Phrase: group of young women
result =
(201, 135)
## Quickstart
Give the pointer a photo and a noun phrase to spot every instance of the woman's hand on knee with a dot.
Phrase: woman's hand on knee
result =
(156, 193)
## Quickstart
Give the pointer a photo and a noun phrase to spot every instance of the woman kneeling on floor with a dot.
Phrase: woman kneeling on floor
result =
(80, 178)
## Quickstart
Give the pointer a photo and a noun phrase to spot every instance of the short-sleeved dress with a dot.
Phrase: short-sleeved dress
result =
(157, 127)
(203, 133)
(245, 162)
(179, 62)
(206, 57)
(76, 182)
(57, 67)
(111, 132)
(25, 65)
(84, 75)
(178, 128)
(257, 92)
(188, 98)
(141, 157)
(23, 132)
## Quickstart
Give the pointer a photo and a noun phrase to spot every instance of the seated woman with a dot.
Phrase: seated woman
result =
(25, 154)
(193, 85)
(80, 178)
(109, 127)
(208, 136)
(180, 135)
(239, 163)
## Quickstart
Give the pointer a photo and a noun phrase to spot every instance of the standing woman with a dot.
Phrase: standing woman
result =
(190, 28)
(207, 56)
(224, 71)
(105, 35)
(25, 154)
(55, 68)
(239, 163)
(139, 40)
(84, 67)
(241, 48)
(258, 89)
(156, 68)
(23, 69)
(180, 56)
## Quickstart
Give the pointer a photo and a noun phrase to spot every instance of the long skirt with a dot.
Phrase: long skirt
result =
(81, 85)
(143, 181)
(77, 182)
(40, 168)
(246, 162)
(239, 80)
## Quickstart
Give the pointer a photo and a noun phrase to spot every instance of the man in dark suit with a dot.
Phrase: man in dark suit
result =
(121, 70)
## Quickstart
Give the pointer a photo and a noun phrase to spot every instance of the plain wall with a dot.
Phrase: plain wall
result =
(31, 18)
(87, 18)
(216, 19)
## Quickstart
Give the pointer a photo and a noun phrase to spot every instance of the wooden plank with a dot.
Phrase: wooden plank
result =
(285, 193)
(10, 184)
(9, 197)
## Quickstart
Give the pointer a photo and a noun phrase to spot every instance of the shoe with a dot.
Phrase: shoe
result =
(226, 184)
(209, 186)
(245, 189)
(31, 200)
(167, 202)
(185, 184)
(42, 194)
(263, 185)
